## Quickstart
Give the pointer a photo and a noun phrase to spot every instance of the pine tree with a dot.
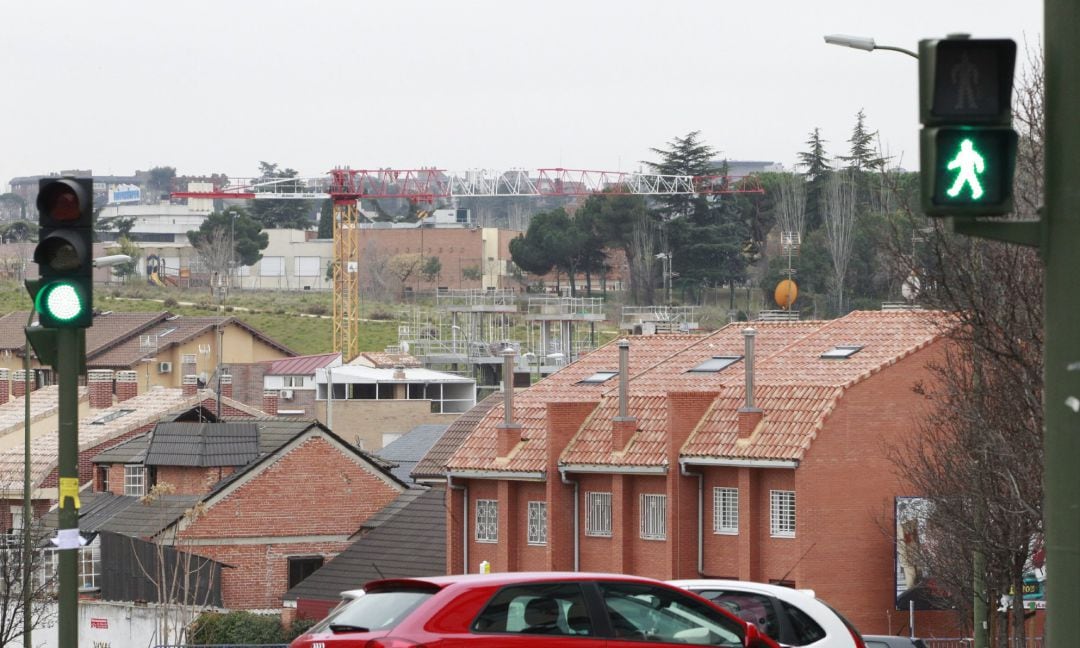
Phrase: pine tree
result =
(862, 156)
(815, 160)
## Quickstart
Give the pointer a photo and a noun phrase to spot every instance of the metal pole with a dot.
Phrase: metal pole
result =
(1061, 479)
(27, 547)
(67, 368)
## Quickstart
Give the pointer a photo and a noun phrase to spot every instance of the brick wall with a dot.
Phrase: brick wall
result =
(86, 467)
(192, 480)
(368, 420)
(252, 521)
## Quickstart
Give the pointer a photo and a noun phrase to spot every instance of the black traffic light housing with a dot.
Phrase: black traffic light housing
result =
(967, 144)
(63, 295)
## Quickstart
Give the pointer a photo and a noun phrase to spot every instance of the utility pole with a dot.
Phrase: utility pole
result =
(1061, 362)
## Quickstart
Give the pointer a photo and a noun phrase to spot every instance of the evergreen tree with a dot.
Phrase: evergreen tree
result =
(862, 157)
(684, 156)
(281, 214)
(326, 220)
(816, 164)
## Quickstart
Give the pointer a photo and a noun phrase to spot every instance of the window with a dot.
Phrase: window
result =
(725, 510)
(306, 266)
(300, 567)
(537, 608)
(487, 520)
(715, 364)
(659, 615)
(89, 566)
(599, 377)
(102, 479)
(537, 523)
(598, 514)
(782, 514)
(841, 352)
(653, 517)
(804, 628)
(272, 266)
(134, 480)
(752, 608)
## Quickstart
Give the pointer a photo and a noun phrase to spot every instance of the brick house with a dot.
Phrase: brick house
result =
(277, 497)
(751, 455)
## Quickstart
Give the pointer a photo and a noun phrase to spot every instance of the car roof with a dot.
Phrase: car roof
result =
(502, 578)
(779, 591)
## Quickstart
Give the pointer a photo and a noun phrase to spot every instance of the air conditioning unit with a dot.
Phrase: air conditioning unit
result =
(164, 367)
(285, 393)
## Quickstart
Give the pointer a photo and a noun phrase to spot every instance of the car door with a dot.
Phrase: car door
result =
(645, 615)
(536, 615)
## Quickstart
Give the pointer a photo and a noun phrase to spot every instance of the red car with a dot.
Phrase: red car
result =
(519, 610)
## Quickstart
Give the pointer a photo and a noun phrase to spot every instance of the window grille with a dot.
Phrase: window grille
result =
(654, 517)
(487, 520)
(598, 514)
(187, 358)
(134, 481)
(782, 514)
(726, 510)
(537, 523)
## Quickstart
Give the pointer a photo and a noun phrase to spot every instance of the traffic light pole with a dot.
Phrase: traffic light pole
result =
(1061, 479)
(67, 370)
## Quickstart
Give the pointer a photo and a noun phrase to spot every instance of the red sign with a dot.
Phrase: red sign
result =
(99, 623)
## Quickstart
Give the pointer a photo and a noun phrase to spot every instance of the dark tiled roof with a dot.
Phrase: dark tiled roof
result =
(127, 515)
(203, 444)
(433, 465)
(410, 543)
(129, 452)
(408, 449)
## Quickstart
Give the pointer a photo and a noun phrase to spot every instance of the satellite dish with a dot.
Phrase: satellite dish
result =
(404, 347)
(785, 294)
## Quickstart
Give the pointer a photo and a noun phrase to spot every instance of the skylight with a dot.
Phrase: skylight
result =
(841, 352)
(715, 364)
(111, 416)
(599, 377)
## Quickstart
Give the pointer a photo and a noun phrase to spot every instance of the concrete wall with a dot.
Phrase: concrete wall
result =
(368, 420)
(103, 625)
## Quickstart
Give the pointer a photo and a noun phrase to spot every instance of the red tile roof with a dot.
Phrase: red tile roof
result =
(301, 365)
(383, 360)
(794, 386)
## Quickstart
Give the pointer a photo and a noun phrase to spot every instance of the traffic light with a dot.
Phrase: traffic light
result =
(967, 145)
(63, 296)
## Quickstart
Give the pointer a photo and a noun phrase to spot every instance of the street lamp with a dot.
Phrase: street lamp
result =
(864, 43)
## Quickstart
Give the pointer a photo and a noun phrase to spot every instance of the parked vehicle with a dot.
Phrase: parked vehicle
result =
(791, 617)
(889, 641)
(518, 610)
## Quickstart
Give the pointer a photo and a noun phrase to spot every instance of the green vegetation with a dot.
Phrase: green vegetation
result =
(216, 628)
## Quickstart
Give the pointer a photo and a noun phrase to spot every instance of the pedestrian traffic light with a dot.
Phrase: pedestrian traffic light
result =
(63, 296)
(967, 145)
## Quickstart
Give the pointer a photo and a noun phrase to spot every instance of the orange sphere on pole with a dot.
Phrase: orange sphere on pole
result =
(785, 294)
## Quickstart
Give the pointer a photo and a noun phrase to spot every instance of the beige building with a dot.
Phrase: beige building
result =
(161, 347)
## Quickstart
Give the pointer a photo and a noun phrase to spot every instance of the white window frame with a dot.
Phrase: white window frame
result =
(725, 510)
(537, 523)
(782, 513)
(653, 516)
(598, 514)
(487, 520)
(134, 480)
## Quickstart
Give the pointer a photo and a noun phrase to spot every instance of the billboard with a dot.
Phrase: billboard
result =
(125, 194)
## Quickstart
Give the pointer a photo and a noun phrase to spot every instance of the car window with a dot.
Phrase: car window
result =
(640, 612)
(870, 643)
(375, 610)
(537, 608)
(753, 608)
(804, 629)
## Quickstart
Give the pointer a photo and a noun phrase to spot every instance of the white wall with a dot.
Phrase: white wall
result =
(127, 626)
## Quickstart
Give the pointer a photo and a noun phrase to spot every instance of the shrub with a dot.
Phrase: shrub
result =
(236, 628)
(299, 627)
(315, 309)
(171, 303)
(380, 315)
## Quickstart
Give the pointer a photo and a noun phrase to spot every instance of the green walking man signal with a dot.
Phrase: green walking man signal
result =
(970, 164)
(967, 145)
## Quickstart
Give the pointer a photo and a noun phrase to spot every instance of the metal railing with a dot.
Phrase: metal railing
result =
(968, 642)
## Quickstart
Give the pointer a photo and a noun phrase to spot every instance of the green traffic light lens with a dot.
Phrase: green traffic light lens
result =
(62, 301)
(972, 166)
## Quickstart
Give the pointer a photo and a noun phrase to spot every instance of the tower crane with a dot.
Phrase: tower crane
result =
(346, 187)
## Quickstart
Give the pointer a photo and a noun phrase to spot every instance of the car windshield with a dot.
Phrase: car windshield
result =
(374, 611)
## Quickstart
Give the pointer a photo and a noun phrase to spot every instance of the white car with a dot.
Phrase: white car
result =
(791, 617)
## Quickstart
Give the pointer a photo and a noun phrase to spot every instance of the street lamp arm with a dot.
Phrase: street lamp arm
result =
(864, 43)
(897, 49)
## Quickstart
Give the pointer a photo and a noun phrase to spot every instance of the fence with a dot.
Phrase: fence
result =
(222, 646)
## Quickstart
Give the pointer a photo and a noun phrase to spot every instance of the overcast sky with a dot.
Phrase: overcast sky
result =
(217, 86)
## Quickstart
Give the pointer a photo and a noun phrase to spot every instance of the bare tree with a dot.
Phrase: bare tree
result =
(642, 262)
(216, 252)
(840, 199)
(14, 599)
(403, 266)
(791, 207)
(183, 582)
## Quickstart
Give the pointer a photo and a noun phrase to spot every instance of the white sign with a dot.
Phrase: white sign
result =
(124, 194)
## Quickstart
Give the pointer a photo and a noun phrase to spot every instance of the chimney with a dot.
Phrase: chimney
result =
(127, 385)
(623, 426)
(399, 372)
(5, 385)
(749, 414)
(270, 400)
(226, 385)
(509, 433)
(101, 388)
(18, 383)
(190, 384)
